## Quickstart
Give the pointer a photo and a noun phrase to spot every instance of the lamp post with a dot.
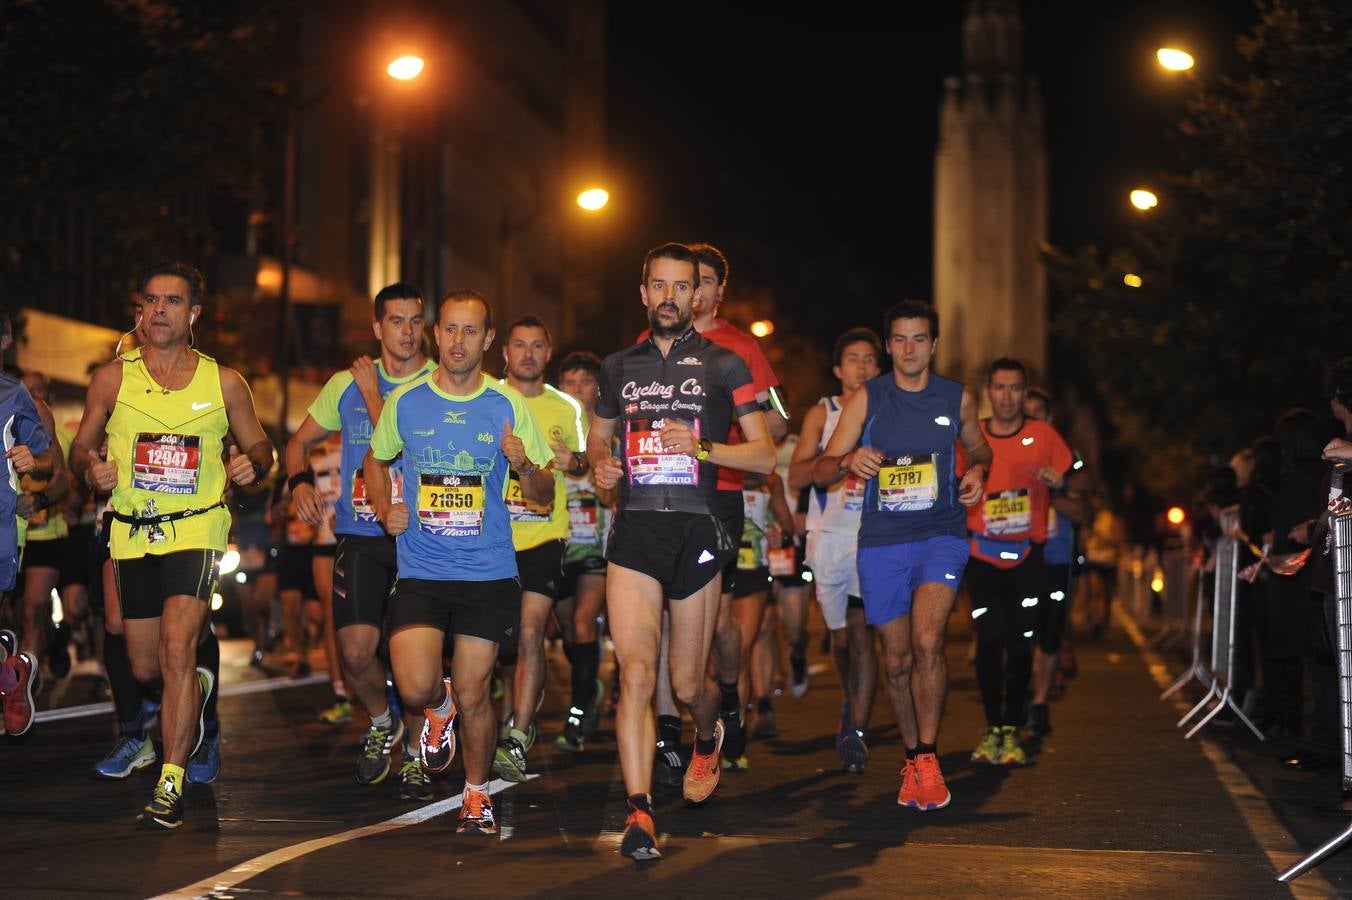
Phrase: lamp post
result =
(1143, 199)
(1171, 59)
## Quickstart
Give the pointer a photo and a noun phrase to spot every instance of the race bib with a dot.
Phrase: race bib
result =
(852, 494)
(908, 484)
(747, 558)
(519, 509)
(1008, 512)
(582, 520)
(784, 561)
(167, 463)
(451, 505)
(361, 506)
(651, 463)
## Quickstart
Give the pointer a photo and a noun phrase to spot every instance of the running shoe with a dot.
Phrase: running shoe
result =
(204, 765)
(701, 776)
(988, 751)
(373, 764)
(572, 740)
(844, 727)
(509, 763)
(640, 837)
(799, 684)
(906, 796)
(165, 809)
(1039, 723)
(930, 791)
(734, 726)
(591, 716)
(340, 713)
(668, 767)
(765, 725)
(1011, 754)
(438, 736)
(18, 700)
(740, 764)
(207, 683)
(853, 751)
(413, 781)
(128, 754)
(476, 815)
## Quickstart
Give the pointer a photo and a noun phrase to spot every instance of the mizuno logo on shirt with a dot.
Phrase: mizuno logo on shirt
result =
(688, 361)
(196, 407)
(454, 417)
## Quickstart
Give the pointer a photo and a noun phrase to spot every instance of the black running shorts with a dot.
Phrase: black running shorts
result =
(295, 569)
(731, 511)
(144, 584)
(541, 569)
(683, 551)
(364, 571)
(484, 609)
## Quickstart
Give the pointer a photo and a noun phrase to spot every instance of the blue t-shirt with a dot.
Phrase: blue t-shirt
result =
(19, 424)
(915, 495)
(454, 476)
(341, 407)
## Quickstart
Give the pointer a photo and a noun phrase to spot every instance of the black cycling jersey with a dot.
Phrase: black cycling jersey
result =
(697, 382)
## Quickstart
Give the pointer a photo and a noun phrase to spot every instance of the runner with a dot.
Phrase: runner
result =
(584, 569)
(832, 539)
(458, 431)
(364, 567)
(898, 435)
(1006, 576)
(29, 454)
(539, 532)
(326, 460)
(667, 394)
(766, 522)
(1069, 507)
(166, 410)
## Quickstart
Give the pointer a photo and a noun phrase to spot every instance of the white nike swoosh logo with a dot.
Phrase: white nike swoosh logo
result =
(200, 406)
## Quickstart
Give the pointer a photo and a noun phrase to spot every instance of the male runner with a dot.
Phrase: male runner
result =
(539, 531)
(364, 564)
(29, 453)
(668, 394)
(728, 636)
(166, 410)
(584, 567)
(1006, 576)
(898, 435)
(832, 539)
(1058, 555)
(458, 431)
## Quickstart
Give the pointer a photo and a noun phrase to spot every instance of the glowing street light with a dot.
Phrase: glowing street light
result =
(762, 328)
(1143, 199)
(1175, 515)
(405, 68)
(1173, 59)
(593, 199)
(1131, 280)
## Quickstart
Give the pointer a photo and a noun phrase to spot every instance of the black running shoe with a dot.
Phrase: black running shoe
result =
(668, 767)
(734, 735)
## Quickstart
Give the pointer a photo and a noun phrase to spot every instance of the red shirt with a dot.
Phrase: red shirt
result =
(727, 335)
(1015, 504)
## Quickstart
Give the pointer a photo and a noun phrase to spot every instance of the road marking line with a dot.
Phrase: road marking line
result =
(248, 869)
(1275, 840)
(231, 690)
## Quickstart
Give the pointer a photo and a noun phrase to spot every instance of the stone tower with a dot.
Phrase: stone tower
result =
(990, 202)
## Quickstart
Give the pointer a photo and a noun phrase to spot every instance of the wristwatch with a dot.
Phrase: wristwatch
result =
(706, 447)
(528, 469)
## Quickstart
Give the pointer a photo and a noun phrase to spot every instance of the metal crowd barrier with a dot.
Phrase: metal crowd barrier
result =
(1197, 670)
(1340, 530)
(1222, 634)
(1176, 567)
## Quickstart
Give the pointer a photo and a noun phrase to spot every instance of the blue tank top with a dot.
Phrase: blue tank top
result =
(915, 495)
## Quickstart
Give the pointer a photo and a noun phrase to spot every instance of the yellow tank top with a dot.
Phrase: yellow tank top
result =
(49, 524)
(168, 447)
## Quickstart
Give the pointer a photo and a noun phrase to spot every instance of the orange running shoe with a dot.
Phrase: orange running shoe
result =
(907, 795)
(930, 791)
(701, 776)
(640, 837)
(476, 815)
(438, 737)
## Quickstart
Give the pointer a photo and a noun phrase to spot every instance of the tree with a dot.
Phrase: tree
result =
(1246, 268)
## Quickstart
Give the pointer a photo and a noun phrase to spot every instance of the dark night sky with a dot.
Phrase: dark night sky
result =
(804, 145)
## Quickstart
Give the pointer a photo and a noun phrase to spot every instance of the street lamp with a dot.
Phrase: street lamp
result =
(762, 328)
(593, 199)
(1174, 60)
(1143, 199)
(1131, 280)
(405, 68)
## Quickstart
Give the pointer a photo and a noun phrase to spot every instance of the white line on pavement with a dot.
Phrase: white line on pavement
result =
(230, 690)
(259, 864)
